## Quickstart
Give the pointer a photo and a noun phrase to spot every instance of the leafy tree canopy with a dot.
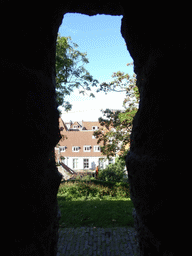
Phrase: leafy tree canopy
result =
(70, 71)
(118, 123)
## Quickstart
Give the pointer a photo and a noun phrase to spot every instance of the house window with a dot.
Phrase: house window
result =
(62, 149)
(87, 148)
(75, 149)
(85, 163)
(110, 160)
(94, 128)
(75, 163)
(101, 163)
(97, 149)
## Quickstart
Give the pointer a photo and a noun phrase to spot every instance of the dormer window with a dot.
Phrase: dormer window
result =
(75, 149)
(94, 128)
(87, 148)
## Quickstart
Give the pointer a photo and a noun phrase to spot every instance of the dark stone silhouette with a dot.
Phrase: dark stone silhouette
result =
(159, 41)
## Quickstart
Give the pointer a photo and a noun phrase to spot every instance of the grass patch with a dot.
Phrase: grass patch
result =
(95, 204)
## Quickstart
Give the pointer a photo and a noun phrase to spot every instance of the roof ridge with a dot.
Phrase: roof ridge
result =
(90, 121)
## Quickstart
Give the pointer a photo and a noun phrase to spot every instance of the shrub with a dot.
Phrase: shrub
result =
(93, 189)
(113, 172)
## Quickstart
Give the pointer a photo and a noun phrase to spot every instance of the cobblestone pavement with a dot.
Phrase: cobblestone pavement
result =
(87, 241)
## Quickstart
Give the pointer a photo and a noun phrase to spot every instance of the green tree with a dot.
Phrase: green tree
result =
(70, 71)
(113, 172)
(123, 83)
(118, 123)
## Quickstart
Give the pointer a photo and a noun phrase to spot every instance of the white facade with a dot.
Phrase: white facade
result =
(87, 163)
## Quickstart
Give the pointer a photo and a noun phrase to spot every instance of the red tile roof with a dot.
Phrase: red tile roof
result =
(79, 138)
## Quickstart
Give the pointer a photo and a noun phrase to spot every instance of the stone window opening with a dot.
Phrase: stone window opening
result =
(155, 52)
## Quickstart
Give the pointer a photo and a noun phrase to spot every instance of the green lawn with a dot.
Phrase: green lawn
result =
(95, 205)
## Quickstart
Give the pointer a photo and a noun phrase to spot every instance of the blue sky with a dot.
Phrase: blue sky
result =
(100, 37)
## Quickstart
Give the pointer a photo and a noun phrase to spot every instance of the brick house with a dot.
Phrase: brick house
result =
(78, 148)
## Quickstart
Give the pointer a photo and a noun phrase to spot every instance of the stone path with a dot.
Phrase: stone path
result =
(87, 241)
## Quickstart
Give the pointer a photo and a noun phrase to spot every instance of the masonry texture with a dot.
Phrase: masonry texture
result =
(97, 241)
(159, 40)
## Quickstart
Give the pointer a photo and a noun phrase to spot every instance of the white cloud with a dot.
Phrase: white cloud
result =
(89, 109)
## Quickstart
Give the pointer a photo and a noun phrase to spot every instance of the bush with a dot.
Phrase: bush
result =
(113, 172)
(93, 189)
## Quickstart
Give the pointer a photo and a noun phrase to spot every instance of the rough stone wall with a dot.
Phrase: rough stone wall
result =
(27, 68)
(157, 160)
(160, 45)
